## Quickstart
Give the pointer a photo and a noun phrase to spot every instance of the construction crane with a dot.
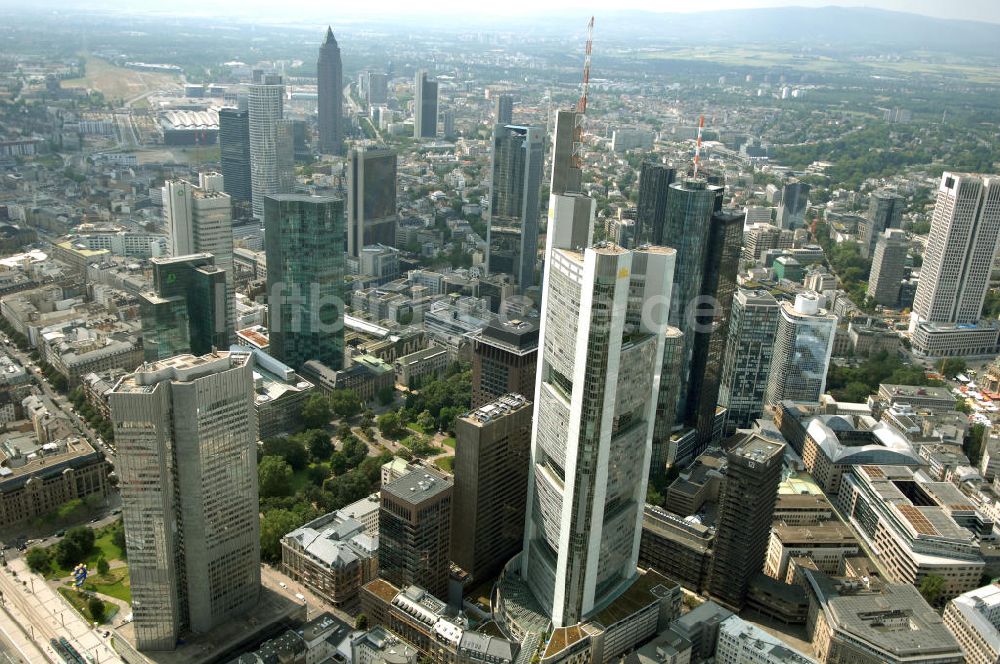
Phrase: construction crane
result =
(581, 106)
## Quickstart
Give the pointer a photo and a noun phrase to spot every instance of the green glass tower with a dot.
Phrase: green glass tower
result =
(186, 311)
(304, 241)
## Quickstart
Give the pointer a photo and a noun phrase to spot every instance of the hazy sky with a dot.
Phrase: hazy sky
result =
(978, 10)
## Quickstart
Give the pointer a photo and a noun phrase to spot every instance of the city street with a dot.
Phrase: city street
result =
(271, 577)
(46, 615)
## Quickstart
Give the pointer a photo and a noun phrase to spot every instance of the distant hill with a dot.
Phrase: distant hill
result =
(849, 27)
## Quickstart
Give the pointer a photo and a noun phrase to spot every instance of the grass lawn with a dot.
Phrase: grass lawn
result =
(445, 463)
(300, 479)
(449, 442)
(103, 548)
(79, 602)
(114, 584)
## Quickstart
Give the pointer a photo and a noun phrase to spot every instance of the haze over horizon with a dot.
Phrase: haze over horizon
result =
(971, 10)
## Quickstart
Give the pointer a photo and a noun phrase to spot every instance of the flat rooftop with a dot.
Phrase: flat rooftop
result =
(417, 486)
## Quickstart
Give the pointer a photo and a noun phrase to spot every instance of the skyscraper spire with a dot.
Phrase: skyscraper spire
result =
(330, 39)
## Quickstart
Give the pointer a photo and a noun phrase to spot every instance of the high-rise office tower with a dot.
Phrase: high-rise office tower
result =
(200, 221)
(885, 211)
(599, 361)
(448, 123)
(186, 430)
(516, 185)
(503, 109)
(303, 240)
(504, 357)
(377, 88)
(888, 267)
(330, 90)
(960, 249)
(186, 312)
(234, 156)
(722, 263)
(271, 146)
(803, 346)
(654, 186)
(492, 450)
(746, 508)
(663, 454)
(792, 209)
(414, 531)
(687, 228)
(425, 106)
(567, 175)
(753, 325)
(371, 199)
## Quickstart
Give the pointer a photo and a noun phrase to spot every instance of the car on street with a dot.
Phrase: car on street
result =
(300, 597)
(282, 584)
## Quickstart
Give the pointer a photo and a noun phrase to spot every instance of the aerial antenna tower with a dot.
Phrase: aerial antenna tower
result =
(697, 146)
(581, 104)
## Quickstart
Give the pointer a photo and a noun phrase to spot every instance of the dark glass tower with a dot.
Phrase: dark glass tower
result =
(654, 185)
(330, 80)
(303, 241)
(753, 324)
(722, 263)
(186, 312)
(425, 106)
(746, 507)
(687, 229)
(512, 230)
(885, 211)
(234, 149)
(371, 199)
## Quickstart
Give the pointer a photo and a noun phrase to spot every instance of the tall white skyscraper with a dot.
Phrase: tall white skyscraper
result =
(960, 249)
(186, 431)
(199, 221)
(803, 346)
(598, 378)
(271, 145)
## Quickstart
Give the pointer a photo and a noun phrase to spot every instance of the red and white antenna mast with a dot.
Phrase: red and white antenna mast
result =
(581, 106)
(697, 146)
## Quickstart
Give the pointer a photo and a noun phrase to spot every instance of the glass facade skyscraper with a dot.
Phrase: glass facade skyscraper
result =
(516, 183)
(186, 432)
(425, 106)
(753, 325)
(304, 245)
(371, 199)
(186, 310)
(803, 346)
(234, 156)
(654, 187)
(330, 96)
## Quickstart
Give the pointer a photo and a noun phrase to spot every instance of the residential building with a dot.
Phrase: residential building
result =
(333, 556)
(888, 267)
(330, 96)
(271, 147)
(186, 310)
(974, 619)
(516, 181)
(746, 509)
(415, 531)
(741, 642)
(792, 208)
(875, 623)
(425, 106)
(803, 346)
(305, 278)
(371, 199)
(234, 157)
(753, 325)
(492, 449)
(504, 357)
(193, 541)
(885, 211)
